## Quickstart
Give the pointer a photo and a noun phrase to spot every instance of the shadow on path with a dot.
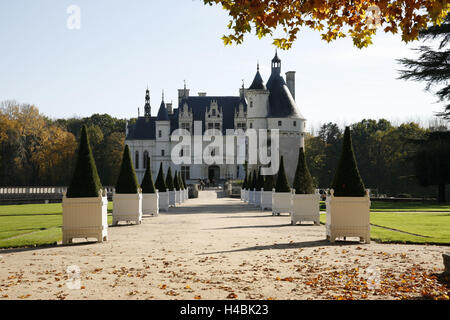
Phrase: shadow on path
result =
(284, 246)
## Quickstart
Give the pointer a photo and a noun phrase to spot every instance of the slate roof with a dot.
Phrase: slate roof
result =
(258, 83)
(228, 105)
(162, 113)
(281, 102)
(143, 129)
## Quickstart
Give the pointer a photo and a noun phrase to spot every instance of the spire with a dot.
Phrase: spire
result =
(162, 113)
(258, 83)
(147, 107)
(163, 95)
(276, 64)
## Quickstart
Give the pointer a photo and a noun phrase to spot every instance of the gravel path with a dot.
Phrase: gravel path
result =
(220, 248)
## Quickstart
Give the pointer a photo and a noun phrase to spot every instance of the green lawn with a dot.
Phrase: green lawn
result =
(34, 224)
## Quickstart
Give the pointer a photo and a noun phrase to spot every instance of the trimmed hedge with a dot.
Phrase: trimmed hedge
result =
(260, 181)
(347, 181)
(282, 184)
(268, 183)
(160, 182)
(169, 180)
(147, 185)
(176, 181)
(244, 184)
(127, 182)
(249, 181)
(254, 180)
(303, 181)
(85, 180)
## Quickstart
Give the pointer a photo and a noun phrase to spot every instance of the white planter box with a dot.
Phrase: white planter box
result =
(127, 207)
(150, 203)
(163, 201)
(172, 198)
(246, 195)
(85, 218)
(242, 194)
(305, 207)
(281, 202)
(258, 198)
(348, 217)
(251, 198)
(178, 197)
(266, 200)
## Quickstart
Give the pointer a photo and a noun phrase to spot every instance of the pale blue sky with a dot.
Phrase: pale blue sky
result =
(124, 45)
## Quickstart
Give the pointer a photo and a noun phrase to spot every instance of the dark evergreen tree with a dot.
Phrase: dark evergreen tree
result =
(254, 180)
(260, 181)
(85, 182)
(147, 185)
(244, 184)
(268, 183)
(250, 182)
(169, 180)
(282, 184)
(176, 181)
(127, 182)
(347, 181)
(303, 181)
(433, 65)
(432, 162)
(184, 182)
(160, 182)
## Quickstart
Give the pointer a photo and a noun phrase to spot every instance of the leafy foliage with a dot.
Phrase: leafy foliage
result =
(147, 185)
(432, 66)
(334, 19)
(160, 182)
(127, 182)
(85, 182)
(282, 184)
(347, 181)
(303, 182)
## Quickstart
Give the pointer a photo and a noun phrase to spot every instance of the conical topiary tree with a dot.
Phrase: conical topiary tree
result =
(249, 181)
(181, 181)
(254, 180)
(85, 181)
(127, 182)
(169, 180)
(347, 181)
(160, 182)
(260, 181)
(268, 183)
(176, 181)
(184, 181)
(282, 184)
(244, 184)
(147, 185)
(303, 181)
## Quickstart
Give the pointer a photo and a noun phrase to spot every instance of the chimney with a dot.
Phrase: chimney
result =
(202, 94)
(290, 81)
(169, 108)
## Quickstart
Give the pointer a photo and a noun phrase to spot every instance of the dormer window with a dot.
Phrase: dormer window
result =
(214, 112)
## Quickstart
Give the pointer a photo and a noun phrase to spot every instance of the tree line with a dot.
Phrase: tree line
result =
(38, 151)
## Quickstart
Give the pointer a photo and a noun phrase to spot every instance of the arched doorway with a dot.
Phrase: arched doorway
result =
(213, 173)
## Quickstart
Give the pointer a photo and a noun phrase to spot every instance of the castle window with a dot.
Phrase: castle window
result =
(214, 112)
(251, 125)
(146, 159)
(186, 172)
(210, 125)
(163, 153)
(217, 125)
(159, 133)
(136, 160)
(186, 126)
(295, 123)
(251, 104)
(279, 123)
